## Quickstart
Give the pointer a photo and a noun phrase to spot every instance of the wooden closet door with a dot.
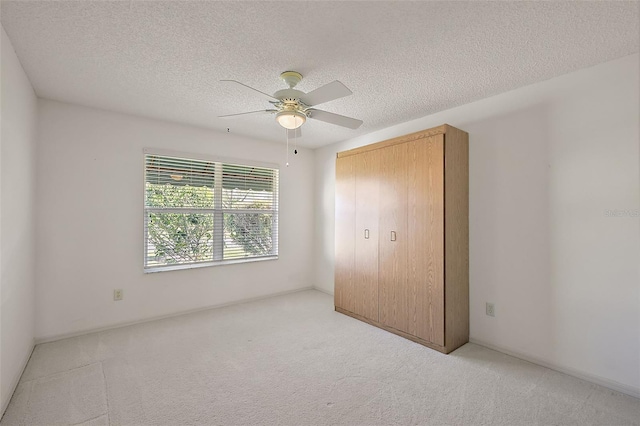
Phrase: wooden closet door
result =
(426, 246)
(345, 211)
(366, 166)
(395, 297)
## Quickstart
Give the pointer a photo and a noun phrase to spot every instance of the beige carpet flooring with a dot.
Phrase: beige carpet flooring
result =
(291, 360)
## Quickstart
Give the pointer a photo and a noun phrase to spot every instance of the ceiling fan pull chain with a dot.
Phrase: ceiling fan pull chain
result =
(286, 131)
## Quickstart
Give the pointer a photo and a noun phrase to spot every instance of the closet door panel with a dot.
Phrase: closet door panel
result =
(345, 233)
(395, 297)
(426, 246)
(367, 194)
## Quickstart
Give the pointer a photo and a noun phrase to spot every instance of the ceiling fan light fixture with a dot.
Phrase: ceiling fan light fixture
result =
(290, 119)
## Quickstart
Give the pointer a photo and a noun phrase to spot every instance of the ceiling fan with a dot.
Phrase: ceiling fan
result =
(292, 107)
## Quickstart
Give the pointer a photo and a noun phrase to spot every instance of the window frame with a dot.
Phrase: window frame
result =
(218, 211)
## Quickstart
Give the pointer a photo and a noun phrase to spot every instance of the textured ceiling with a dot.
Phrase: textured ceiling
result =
(402, 60)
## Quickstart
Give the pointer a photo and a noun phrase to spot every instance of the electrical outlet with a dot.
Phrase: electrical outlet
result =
(117, 294)
(491, 310)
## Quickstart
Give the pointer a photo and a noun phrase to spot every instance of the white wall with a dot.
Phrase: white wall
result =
(90, 222)
(546, 162)
(17, 192)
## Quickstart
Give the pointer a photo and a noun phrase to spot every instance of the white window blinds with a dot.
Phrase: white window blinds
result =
(207, 212)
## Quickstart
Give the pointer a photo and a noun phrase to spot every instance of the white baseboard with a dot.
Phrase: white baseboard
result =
(53, 338)
(611, 384)
(16, 379)
(322, 290)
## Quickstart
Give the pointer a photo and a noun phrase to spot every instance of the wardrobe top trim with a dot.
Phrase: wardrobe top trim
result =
(422, 134)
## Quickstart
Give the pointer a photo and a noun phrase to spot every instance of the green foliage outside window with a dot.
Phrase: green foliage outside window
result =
(252, 231)
(180, 237)
(175, 238)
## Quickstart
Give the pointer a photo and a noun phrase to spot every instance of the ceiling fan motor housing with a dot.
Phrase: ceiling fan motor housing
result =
(290, 101)
(288, 94)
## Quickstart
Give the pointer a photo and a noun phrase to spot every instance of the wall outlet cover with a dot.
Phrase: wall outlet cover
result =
(491, 309)
(117, 294)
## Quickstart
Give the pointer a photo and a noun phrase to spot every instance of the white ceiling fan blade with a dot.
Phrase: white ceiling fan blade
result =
(251, 90)
(262, 111)
(326, 93)
(337, 119)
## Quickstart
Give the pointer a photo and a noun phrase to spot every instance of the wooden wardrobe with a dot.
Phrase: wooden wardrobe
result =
(402, 236)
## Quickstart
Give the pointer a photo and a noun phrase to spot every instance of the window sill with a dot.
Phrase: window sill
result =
(154, 269)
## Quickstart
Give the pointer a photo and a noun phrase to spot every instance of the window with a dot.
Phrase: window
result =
(199, 212)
